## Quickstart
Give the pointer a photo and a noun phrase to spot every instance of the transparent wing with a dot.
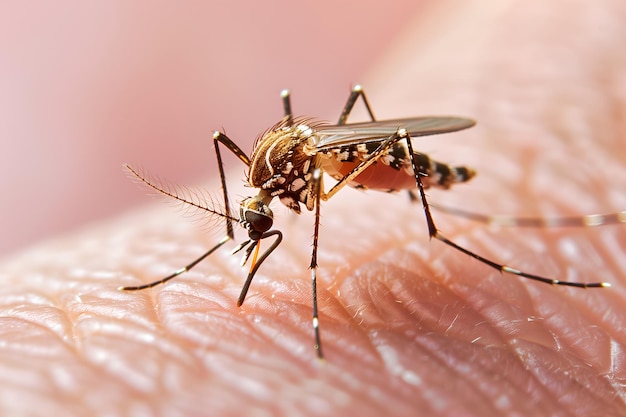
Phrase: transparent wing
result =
(331, 136)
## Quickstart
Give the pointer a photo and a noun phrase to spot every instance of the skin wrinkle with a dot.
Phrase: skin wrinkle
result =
(207, 356)
(468, 370)
(388, 315)
(546, 365)
(571, 325)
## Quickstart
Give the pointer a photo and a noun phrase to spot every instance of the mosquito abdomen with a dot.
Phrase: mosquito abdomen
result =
(393, 171)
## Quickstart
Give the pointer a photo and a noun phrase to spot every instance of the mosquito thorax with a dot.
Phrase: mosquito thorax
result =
(255, 215)
(282, 163)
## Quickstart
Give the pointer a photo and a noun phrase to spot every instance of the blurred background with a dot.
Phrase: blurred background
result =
(87, 86)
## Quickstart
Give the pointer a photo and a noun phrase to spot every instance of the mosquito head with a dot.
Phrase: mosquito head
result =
(255, 215)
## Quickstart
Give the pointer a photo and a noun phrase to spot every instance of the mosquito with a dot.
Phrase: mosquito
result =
(288, 162)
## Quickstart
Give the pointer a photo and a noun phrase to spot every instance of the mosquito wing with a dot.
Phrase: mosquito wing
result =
(331, 136)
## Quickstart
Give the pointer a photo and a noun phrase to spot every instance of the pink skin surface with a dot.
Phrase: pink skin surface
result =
(410, 327)
(88, 86)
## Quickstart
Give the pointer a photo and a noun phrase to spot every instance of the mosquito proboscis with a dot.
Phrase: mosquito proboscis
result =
(288, 162)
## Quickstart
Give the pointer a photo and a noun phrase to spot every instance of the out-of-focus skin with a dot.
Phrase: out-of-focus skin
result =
(410, 327)
(88, 86)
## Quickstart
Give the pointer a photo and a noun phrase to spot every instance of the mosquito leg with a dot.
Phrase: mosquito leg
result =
(590, 220)
(180, 271)
(230, 234)
(357, 92)
(219, 137)
(317, 177)
(287, 105)
(255, 267)
(434, 232)
(373, 157)
(186, 199)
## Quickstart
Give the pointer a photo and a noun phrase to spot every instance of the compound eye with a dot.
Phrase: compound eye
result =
(258, 222)
(256, 217)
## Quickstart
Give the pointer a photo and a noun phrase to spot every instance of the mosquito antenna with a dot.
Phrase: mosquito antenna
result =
(177, 196)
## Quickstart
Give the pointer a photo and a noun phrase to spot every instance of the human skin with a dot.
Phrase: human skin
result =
(89, 85)
(410, 327)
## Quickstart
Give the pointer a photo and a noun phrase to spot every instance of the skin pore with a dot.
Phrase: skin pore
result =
(409, 326)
